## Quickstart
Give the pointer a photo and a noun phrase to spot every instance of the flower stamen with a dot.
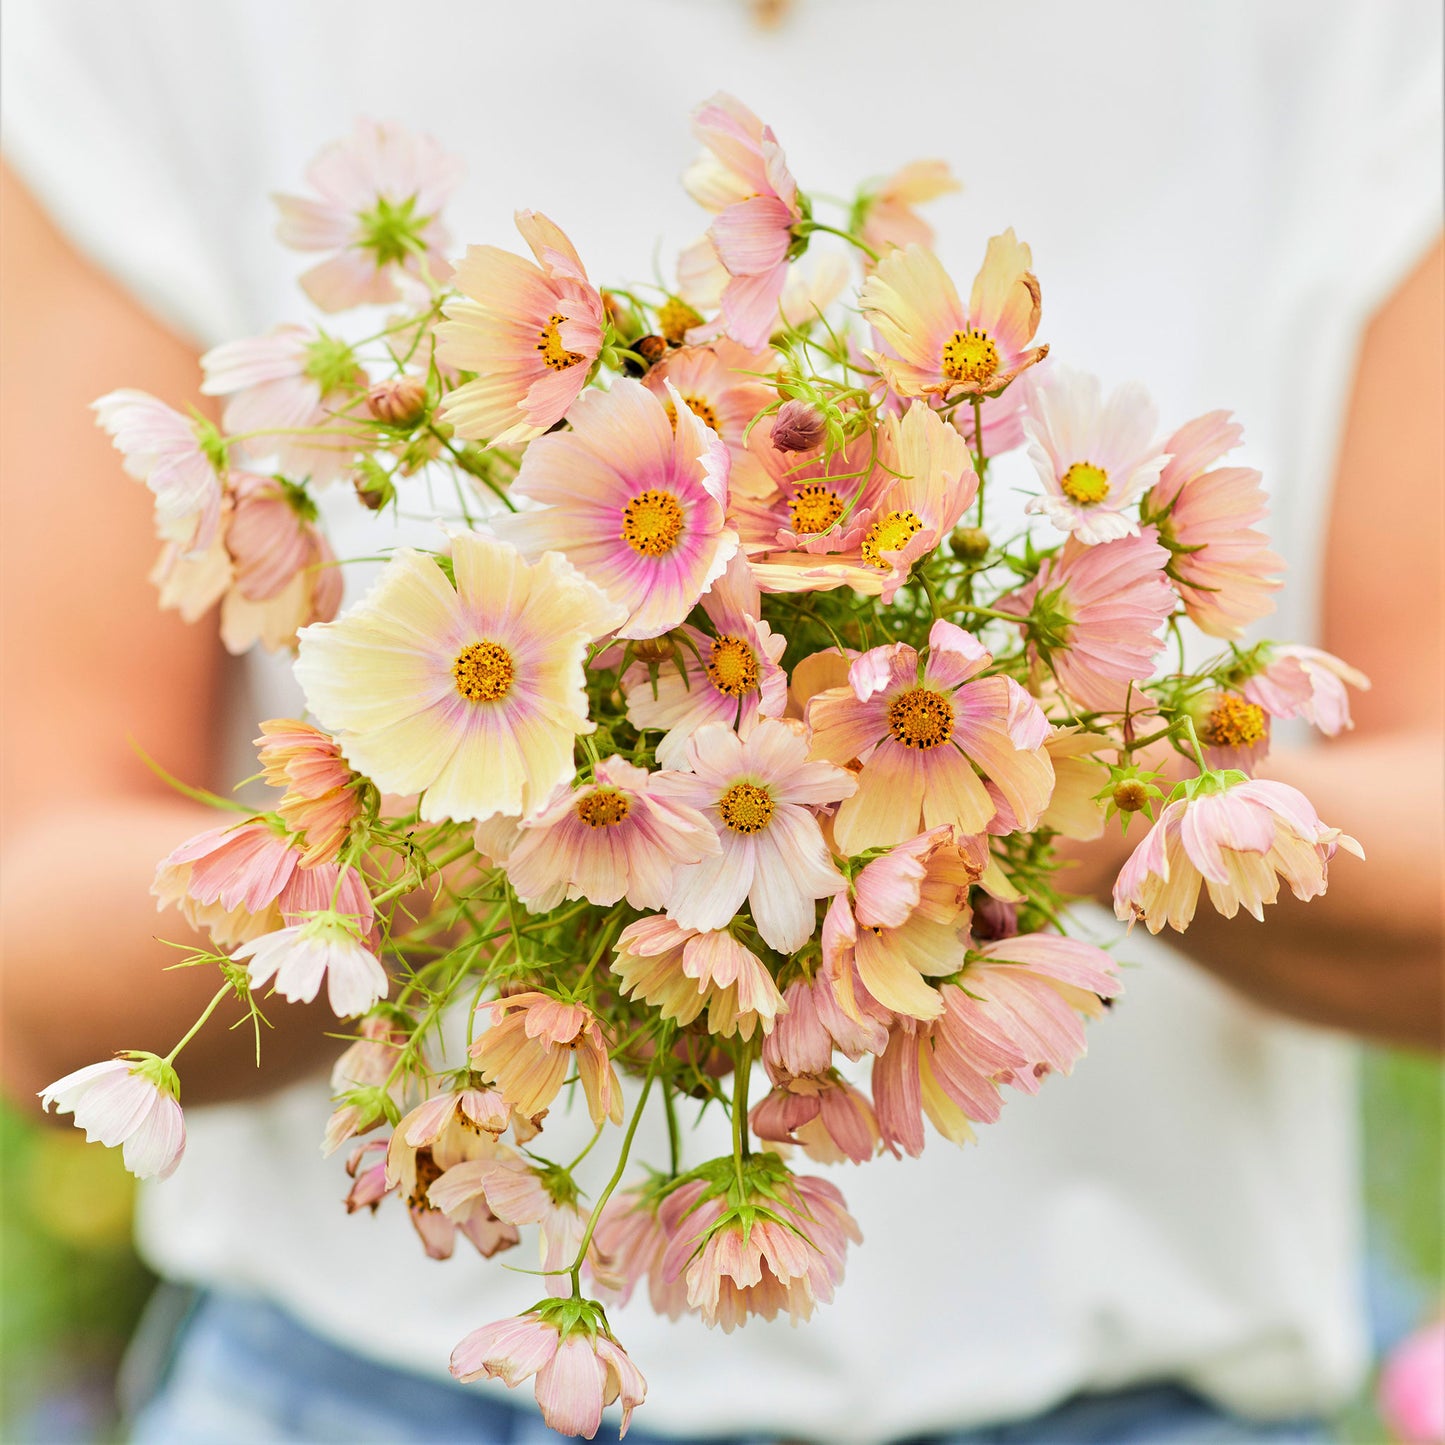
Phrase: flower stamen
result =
(970, 356)
(605, 808)
(733, 666)
(814, 509)
(652, 522)
(554, 354)
(746, 807)
(1085, 483)
(890, 533)
(483, 672)
(1234, 723)
(920, 718)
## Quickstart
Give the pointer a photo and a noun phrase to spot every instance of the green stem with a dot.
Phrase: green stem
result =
(674, 1139)
(195, 1028)
(806, 228)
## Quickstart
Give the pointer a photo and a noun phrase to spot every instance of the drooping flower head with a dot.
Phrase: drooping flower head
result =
(823, 1114)
(611, 839)
(1238, 836)
(380, 192)
(295, 378)
(1094, 457)
(530, 331)
(757, 793)
(531, 1047)
(1207, 517)
(776, 1242)
(179, 458)
(580, 1368)
(743, 178)
(635, 495)
(1307, 682)
(1099, 610)
(730, 676)
(132, 1101)
(932, 344)
(890, 216)
(322, 800)
(472, 693)
(924, 741)
(328, 946)
(681, 972)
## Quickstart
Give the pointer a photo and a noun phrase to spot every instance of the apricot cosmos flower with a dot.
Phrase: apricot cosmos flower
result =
(470, 692)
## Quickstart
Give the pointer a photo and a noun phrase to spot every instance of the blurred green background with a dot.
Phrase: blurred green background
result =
(71, 1289)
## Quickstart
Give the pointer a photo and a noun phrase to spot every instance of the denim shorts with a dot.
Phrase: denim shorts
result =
(238, 1371)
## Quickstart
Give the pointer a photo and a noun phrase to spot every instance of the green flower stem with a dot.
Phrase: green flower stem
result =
(195, 1028)
(806, 228)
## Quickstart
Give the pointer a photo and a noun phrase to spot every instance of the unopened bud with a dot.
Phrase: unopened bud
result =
(651, 349)
(969, 544)
(654, 649)
(994, 919)
(374, 487)
(399, 402)
(798, 427)
(1130, 795)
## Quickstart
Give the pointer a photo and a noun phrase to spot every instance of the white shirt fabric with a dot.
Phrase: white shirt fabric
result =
(1217, 198)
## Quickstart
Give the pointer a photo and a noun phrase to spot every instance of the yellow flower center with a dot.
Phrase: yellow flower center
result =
(970, 356)
(815, 508)
(675, 318)
(699, 406)
(1234, 723)
(888, 534)
(484, 672)
(920, 718)
(746, 807)
(733, 666)
(1085, 483)
(605, 808)
(652, 523)
(554, 354)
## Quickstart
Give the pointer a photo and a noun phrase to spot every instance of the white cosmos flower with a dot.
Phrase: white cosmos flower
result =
(300, 956)
(131, 1101)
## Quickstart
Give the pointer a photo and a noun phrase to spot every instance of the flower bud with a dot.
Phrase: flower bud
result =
(969, 544)
(374, 488)
(1131, 794)
(399, 401)
(994, 919)
(654, 649)
(798, 427)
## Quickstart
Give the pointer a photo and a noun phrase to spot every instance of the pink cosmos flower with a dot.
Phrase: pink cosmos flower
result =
(241, 881)
(929, 482)
(1013, 1016)
(814, 1024)
(529, 331)
(1306, 682)
(295, 378)
(613, 839)
(1094, 457)
(890, 219)
(284, 574)
(578, 1371)
(1235, 840)
(907, 921)
(299, 957)
(631, 1242)
(132, 1101)
(822, 1113)
(365, 1064)
(921, 740)
(634, 498)
(1234, 731)
(1207, 519)
(529, 1050)
(179, 458)
(723, 385)
(472, 692)
(757, 793)
(732, 676)
(1411, 1391)
(1099, 610)
(783, 1248)
(743, 178)
(380, 192)
(681, 971)
(932, 345)
(322, 800)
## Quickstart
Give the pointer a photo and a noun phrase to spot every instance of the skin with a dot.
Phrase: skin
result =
(84, 820)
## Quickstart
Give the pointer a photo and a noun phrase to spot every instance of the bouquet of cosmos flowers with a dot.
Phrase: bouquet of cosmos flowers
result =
(717, 731)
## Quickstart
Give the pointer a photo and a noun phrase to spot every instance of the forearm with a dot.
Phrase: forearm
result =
(85, 972)
(1365, 957)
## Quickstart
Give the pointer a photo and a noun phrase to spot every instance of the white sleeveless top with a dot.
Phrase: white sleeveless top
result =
(1217, 198)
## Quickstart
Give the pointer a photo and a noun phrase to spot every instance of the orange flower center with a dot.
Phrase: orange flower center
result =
(1234, 723)
(920, 718)
(1085, 483)
(652, 522)
(428, 1171)
(698, 406)
(554, 354)
(605, 808)
(888, 534)
(483, 672)
(733, 666)
(746, 807)
(970, 356)
(815, 508)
